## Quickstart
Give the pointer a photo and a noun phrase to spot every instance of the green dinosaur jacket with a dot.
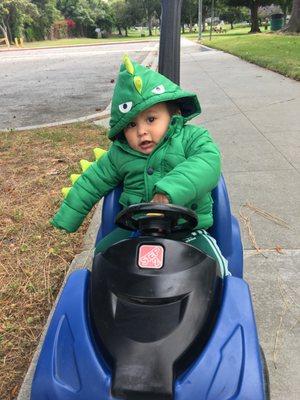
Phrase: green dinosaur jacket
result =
(185, 165)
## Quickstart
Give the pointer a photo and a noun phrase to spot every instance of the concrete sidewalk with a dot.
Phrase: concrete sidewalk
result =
(254, 116)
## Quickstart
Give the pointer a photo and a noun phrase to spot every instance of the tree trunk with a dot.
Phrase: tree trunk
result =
(204, 15)
(119, 29)
(126, 31)
(81, 30)
(254, 17)
(150, 26)
(294, 22)
(3, 28)
(182, 28)
(9, 33)
(231, 25)
(191, 23)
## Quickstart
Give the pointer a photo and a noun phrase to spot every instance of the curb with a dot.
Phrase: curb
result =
(81, 260)
(92, 117)
(76, 45)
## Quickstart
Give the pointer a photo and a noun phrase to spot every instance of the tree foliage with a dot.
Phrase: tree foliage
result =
(38, 19)
(234, 14)
(189, 13)
(48, 14)
(253, 5)
(125, 14)
(14, 15)
(151, 9)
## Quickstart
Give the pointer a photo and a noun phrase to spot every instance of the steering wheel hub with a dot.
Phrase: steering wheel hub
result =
(155, 219)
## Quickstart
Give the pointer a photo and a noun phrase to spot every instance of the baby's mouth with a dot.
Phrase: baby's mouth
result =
(146, 144)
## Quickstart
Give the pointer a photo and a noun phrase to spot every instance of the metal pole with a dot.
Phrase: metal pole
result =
(211, 17)
(169, 45)
(200, 20)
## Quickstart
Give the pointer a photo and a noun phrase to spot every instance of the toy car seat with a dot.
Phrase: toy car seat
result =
(225, 230)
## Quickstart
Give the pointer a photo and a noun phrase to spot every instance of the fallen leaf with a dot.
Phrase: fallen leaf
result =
(279, 249)
(14, 392)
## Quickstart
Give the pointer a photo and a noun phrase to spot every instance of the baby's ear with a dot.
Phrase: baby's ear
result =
(173, 108)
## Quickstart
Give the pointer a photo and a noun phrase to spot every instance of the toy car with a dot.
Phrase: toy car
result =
(154, 320)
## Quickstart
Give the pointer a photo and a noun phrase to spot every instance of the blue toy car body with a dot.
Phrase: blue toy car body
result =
(73, 364)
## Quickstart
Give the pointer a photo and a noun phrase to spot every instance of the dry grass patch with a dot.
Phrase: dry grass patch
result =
(34, 257)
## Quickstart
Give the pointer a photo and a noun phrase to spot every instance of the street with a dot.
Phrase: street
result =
(51, 85)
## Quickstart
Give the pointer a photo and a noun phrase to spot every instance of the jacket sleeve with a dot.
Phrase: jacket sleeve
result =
(101, 177)
(198, 174)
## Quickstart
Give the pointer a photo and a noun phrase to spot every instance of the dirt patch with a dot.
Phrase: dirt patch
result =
(34, 257)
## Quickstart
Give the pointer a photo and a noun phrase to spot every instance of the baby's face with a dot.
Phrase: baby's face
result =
(147, 129)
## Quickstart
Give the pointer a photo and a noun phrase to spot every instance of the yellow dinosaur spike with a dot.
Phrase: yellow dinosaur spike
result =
(128, 64)
(99, 152)
(65, 191)
(74, 178)
(138, 83)
(85, 164)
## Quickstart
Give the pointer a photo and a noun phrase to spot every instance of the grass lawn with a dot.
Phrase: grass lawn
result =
(279, 53)
(34, 256)
(232, 32)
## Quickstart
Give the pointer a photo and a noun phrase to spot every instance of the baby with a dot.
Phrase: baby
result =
(154, 154)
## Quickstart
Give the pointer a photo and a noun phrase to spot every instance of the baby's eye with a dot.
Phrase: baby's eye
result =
(151, 119)
(125, 107)
(131, 125)
(158, 89)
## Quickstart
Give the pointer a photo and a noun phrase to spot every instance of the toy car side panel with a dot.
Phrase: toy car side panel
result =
(230, 365)
(68, 366)
(111, 207)
(226, 229)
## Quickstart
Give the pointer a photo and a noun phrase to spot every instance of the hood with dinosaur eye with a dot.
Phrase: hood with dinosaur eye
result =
(139, 88)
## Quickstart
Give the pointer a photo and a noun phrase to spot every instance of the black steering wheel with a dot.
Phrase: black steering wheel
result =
(157, 219)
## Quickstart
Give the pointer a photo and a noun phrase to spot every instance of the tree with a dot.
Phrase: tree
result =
(4, 11)
(206, 11)
(104, 17)
(286, 6)
(151, 9)
(14, 14)
(83, 12)
(189, 13)
(232, 15)
(48, 15)
(253, 6)
(294, 22)
(120, 15)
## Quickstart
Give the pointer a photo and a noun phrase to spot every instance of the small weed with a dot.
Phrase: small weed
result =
(24, 247)
(17, 215)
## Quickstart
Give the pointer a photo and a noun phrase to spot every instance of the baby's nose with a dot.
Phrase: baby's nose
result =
(142, 130)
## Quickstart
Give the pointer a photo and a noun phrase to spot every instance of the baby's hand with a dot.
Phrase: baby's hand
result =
(160, 198)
